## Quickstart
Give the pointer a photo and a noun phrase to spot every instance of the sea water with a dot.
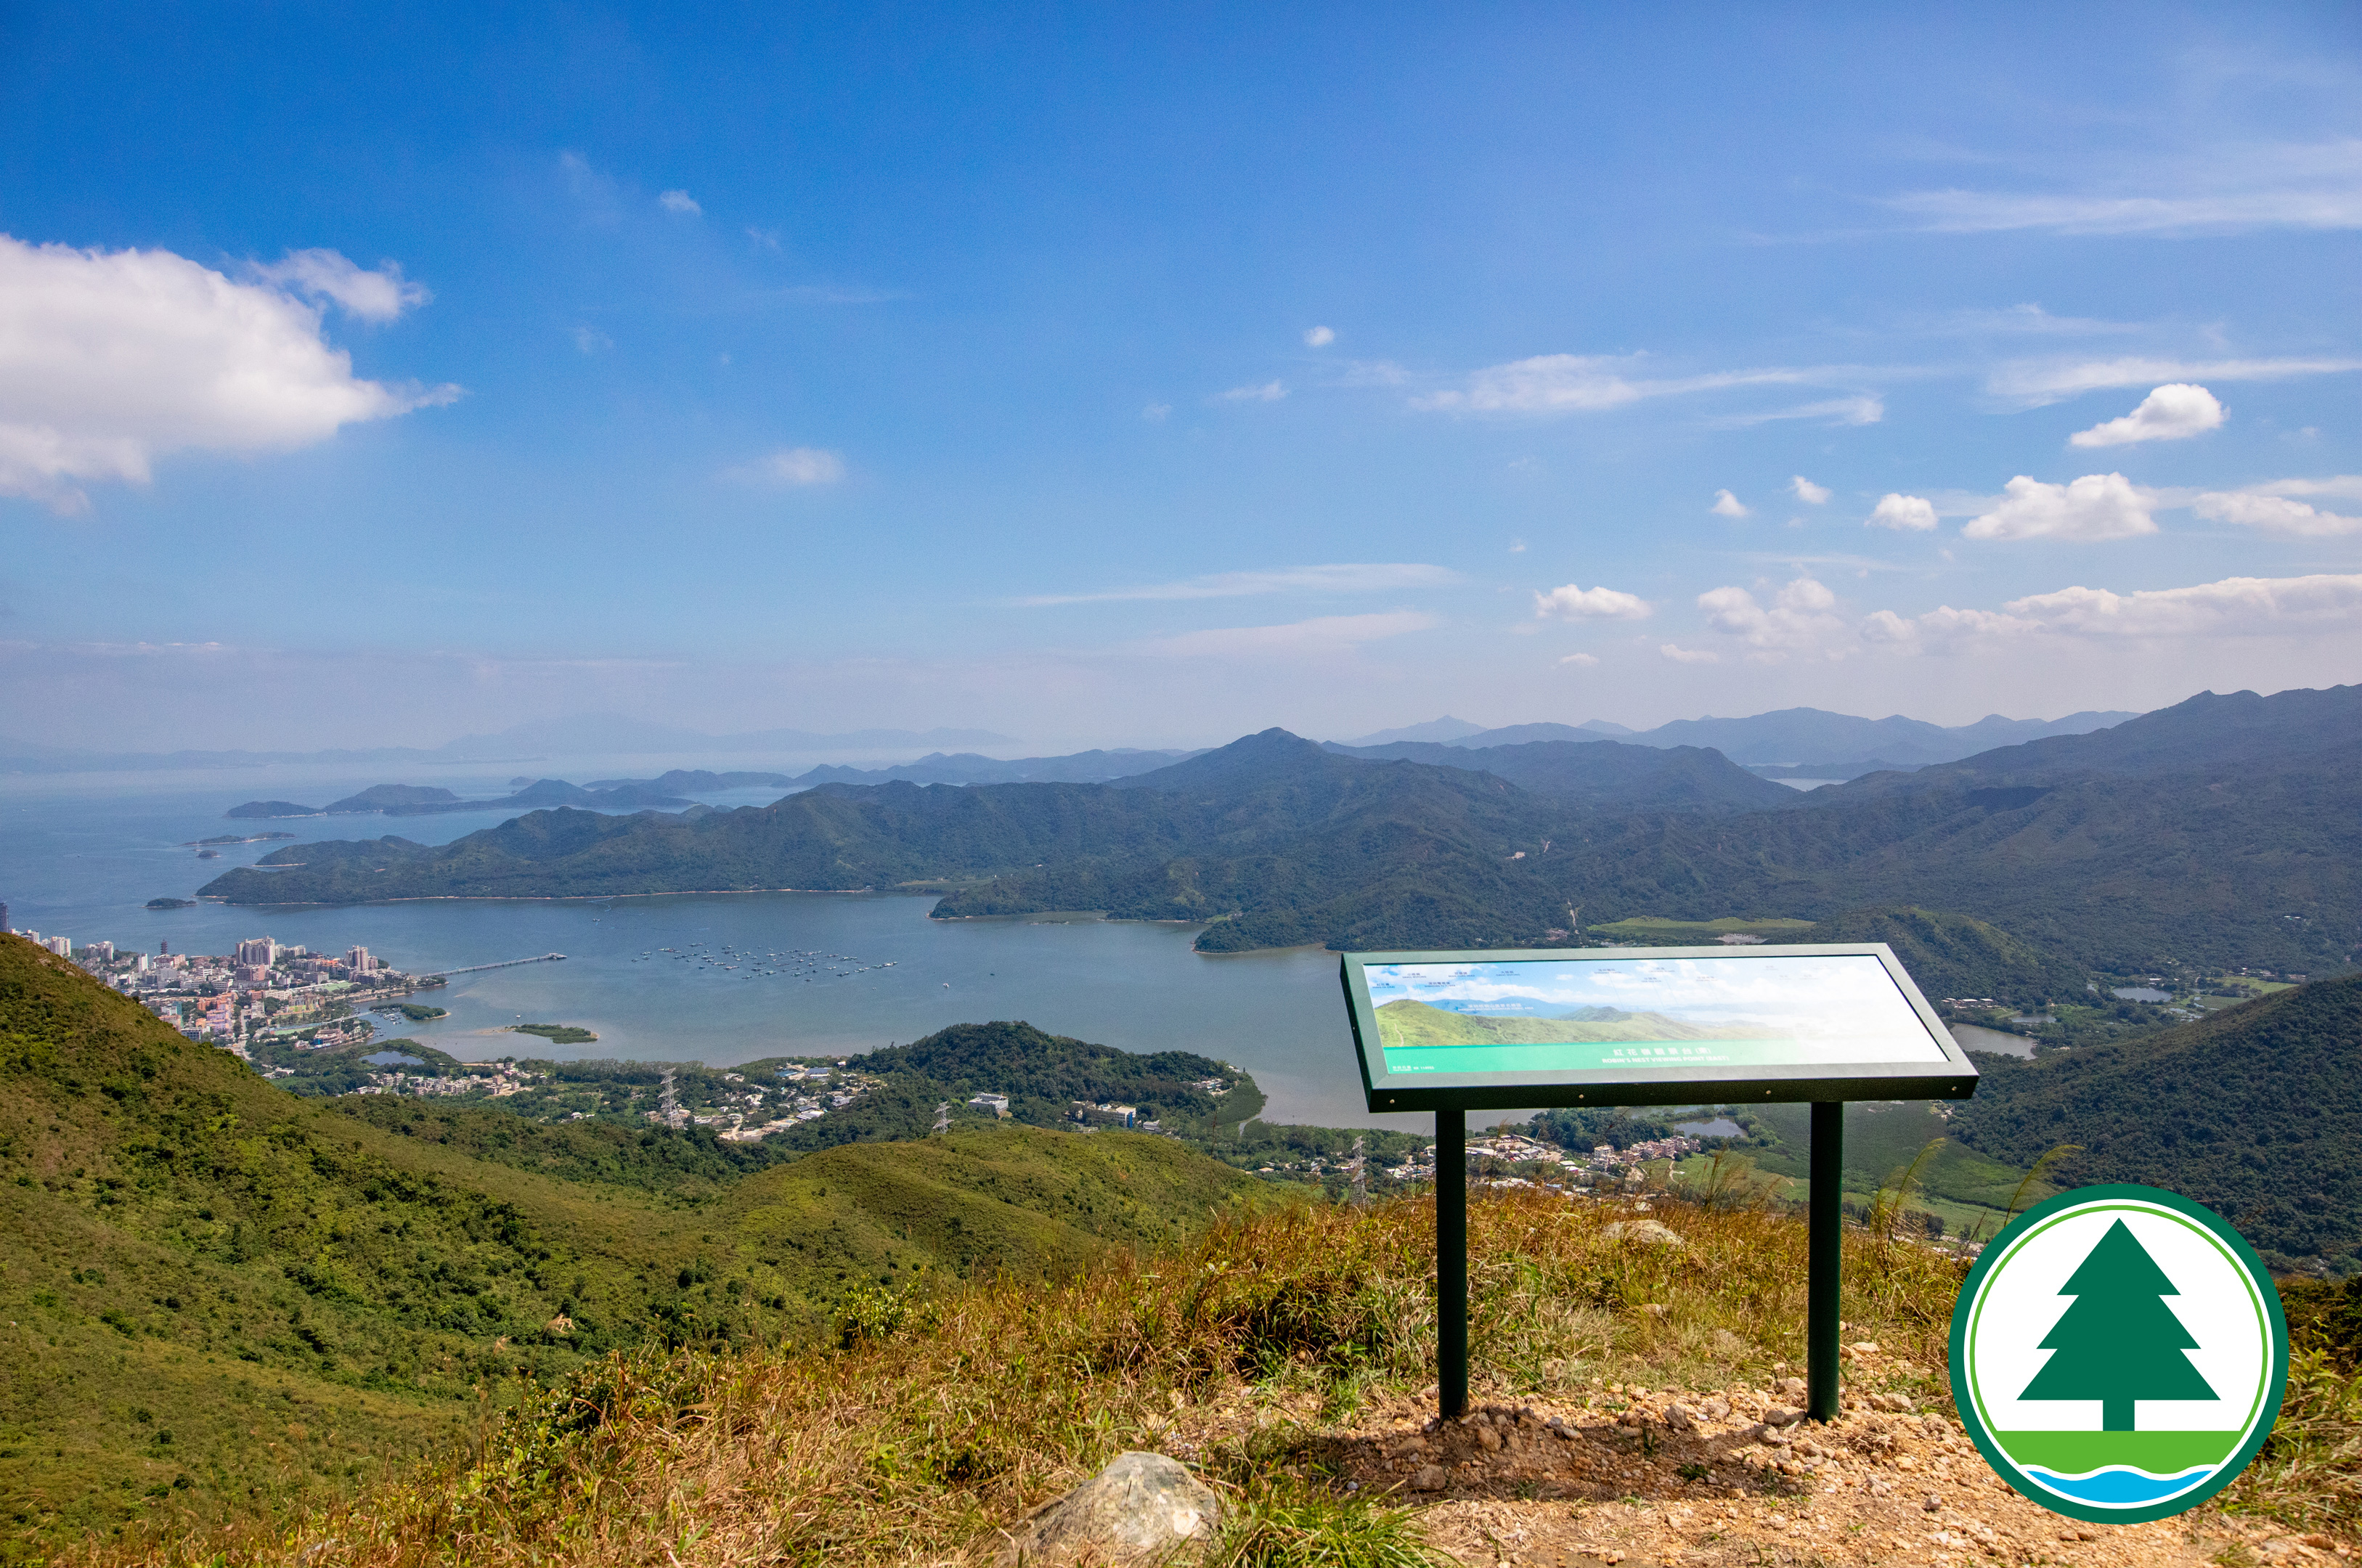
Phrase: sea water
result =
(81, 856)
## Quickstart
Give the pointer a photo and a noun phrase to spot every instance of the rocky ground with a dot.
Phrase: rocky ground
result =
(1643, 1477)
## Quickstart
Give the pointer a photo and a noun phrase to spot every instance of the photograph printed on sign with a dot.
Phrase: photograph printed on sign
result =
(1581, 1015)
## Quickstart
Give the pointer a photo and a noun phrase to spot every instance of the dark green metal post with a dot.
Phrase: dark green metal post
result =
(1824, 1227)
(1451, 1263)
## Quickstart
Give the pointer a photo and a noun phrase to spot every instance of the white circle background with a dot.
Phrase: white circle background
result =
(2020, 1302)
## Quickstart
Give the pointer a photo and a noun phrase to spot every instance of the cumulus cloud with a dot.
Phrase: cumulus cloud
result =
(1581, 661)
(681, 202)
(1799, 616)
(2236, 606)
(1344, 577)
(1728, 506)
(324, 275)
(795, 466)
(1269, 392)
(110, 359)
(2233, 607)
(2095, 507)
(1680, 655)
(1319, 336)
(1573, 604)
(2172, 412)
(2033, 383)
(1910, 513)
(1298, 639)
(1808, 492)
(1577, 383)
(2271, 509)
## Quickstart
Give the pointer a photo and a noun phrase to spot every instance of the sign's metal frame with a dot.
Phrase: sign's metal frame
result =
(1954, 1077)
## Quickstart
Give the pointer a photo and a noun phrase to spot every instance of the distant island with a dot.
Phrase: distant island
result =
(555, 1033)
(420, 800)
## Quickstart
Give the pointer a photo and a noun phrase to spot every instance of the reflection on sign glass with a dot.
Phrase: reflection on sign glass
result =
(1530, 1016)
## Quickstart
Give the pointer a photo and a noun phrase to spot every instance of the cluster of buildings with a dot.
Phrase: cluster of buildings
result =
(228, 999)
(745, 1117)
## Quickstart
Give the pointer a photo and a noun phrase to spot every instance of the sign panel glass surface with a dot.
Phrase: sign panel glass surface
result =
(1574, 1014)
(1445, 1020)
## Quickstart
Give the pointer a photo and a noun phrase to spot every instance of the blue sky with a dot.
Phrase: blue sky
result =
(1106, 378)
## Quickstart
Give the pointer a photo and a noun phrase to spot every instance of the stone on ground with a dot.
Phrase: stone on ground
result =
(1142, 1509)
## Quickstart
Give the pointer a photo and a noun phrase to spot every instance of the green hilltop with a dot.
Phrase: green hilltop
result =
(224, 1298)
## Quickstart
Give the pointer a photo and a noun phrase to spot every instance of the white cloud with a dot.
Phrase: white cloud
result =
(1680, 655)
(1799, 615)
(792, 466)
(1155, 412)
(1573, 604)
(681, 202)
(1728, 506)
(1319, 337)
(1517, 547)
(591, 340)
(1575, 383)
(2174, 411)
(1298, 639)
(1269, 392)
(1807, 492)
(1581, 661)
(2234, 607)
(2036, 383)
(1972, 212)
(110, 359)
(1841, 410)
(2273, 514)
(1903, 512)
(317, 275)
(763, 239)
(2095, 507)
(1374, 577)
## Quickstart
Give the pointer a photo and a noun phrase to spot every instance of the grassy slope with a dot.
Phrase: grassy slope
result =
(2254, 1112)
(296, 1293)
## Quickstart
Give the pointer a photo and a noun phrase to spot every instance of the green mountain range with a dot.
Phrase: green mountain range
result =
(222, 1299)
(2221, 832)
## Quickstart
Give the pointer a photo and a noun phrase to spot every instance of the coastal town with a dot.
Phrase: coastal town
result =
(260, 990)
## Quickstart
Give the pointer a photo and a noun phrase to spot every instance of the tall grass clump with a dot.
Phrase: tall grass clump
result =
(924, 1427)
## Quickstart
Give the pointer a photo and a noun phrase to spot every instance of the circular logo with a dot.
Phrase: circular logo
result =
(2118, 1353)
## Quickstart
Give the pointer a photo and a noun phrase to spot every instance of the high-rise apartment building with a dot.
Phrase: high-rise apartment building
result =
(358, 960)
(258, 951)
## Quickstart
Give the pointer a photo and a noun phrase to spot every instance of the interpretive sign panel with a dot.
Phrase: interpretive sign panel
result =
(1646, 1026)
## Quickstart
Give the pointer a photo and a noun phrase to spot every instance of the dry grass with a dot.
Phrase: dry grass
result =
(935, 1424)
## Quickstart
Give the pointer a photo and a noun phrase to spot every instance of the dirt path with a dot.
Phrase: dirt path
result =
(1656, 1477)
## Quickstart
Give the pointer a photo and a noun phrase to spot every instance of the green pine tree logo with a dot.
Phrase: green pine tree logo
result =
(2119, 1341)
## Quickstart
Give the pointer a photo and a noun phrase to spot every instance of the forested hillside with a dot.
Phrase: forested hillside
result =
(224, 1297)
(2254, 1112)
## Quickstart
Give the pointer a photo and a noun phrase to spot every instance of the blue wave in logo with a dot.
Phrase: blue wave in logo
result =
(2121, 1486)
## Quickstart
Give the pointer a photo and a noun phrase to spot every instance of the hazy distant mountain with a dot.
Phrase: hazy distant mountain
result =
(1838, 742)
(425, 801)
(1446, 728)
(967, 767)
